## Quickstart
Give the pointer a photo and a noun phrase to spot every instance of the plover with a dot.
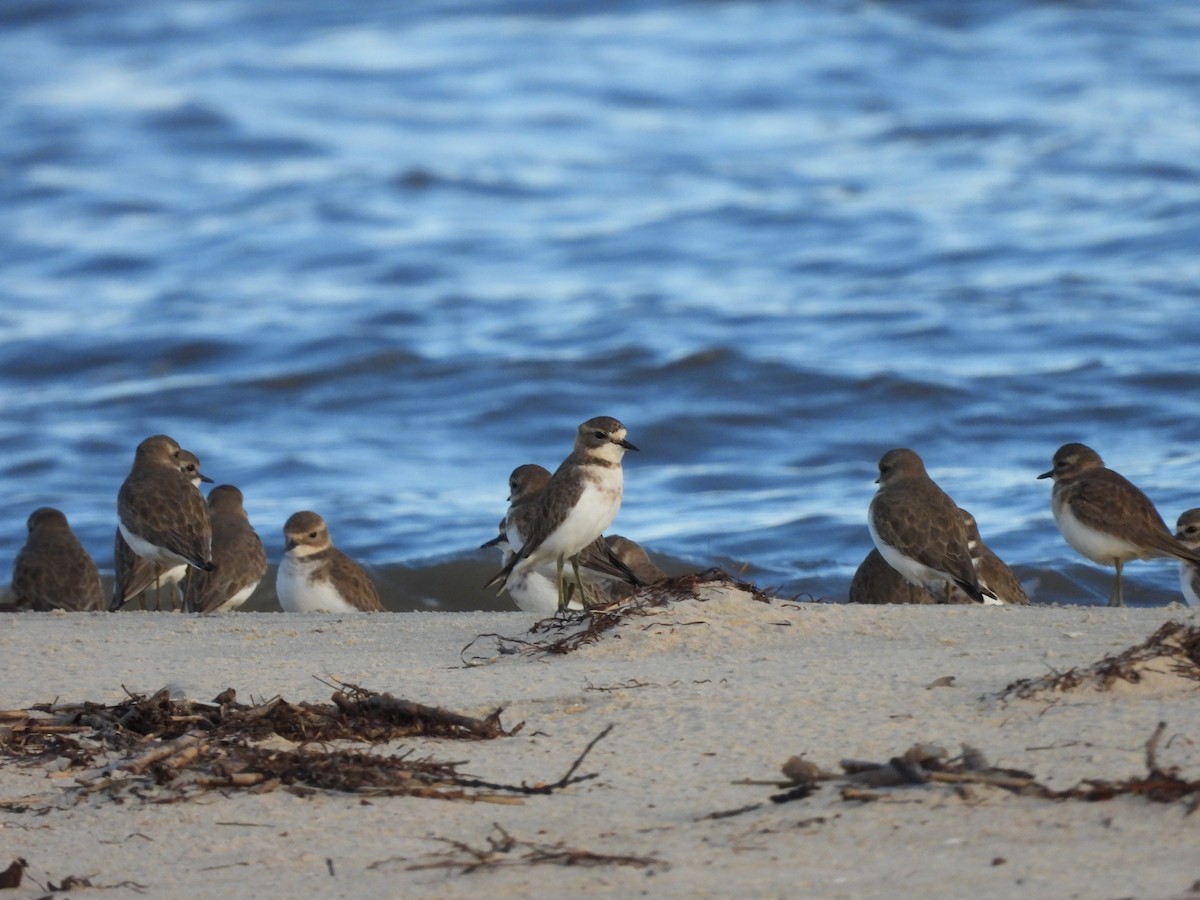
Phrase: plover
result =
(534, 592)
(1104, 517)
(578, 503)
(162, 516)
(1187, 531)
(237, 554)
(877, 582)
(637, 560)
(52, 570)
(598, 564)
(315, 576)
(918, 530)
(993, 573)
(135, 575)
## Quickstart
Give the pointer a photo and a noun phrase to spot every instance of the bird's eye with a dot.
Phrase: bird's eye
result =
(312, 534)
(599, 434)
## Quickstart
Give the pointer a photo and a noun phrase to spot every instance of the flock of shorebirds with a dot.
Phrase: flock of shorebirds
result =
(555, 556)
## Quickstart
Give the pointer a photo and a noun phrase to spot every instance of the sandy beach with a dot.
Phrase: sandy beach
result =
(702, 695)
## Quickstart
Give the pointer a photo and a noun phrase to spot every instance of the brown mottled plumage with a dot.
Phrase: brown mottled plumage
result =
(1105, 517)
(315, 576)
(237, 554)
(52, 570)
(134, 574)
(163, 517)
(876, 582)
(578, 503)
(993, 573)
(918, 530)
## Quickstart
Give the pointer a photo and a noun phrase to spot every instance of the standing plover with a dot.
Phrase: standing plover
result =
(918, 529)
(315, 576)
(135, 575)
(1104, 517)
(162, 516)
(237, 554)
(578, 503)
(1187, 530)
(52, 570)
(598, 565)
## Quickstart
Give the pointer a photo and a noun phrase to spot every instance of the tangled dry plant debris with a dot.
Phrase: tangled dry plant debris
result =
(560, 635)
(504, 850)
(1173, 649)
(164, 750)
(928, 764)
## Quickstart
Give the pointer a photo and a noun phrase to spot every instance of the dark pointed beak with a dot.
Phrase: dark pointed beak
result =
(879, 479)
(1049, 474)
(494, 541)
(624, 443)
(289, 546)
(205, 479)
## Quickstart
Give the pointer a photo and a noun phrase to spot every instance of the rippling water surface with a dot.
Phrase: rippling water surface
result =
(367, 258)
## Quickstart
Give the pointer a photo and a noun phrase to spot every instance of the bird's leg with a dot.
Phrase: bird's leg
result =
(1116, 598)
(582, 590)
(562, 591)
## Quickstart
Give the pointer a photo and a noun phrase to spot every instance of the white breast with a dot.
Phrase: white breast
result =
(1095, 545)
(148, 551)
(1189, 583)
(298, 592)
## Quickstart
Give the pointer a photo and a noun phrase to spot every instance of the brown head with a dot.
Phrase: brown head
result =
(899, 464)
(1187, 529)
(602, 436)
(225, 498)
(526, 481)
(305, 531)
(47, 519)
(1071, 460)
(189, 465)
(158, 450)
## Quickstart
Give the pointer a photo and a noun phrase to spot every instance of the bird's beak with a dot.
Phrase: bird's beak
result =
(494, 541)
(205, 479)
(879, 479)
(624, 443)
(1049, 474)
(289, 545)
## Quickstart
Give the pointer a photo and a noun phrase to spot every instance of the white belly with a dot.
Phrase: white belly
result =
(149, 552)
(1189, 583)
(297, 591)
(1095, 545)
(533, 592)
(237, 599)
(592, 514)
(913, 572)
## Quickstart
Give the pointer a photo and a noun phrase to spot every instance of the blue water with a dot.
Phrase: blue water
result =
(367, 258)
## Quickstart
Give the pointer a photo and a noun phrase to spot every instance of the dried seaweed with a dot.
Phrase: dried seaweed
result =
(929, 764)
(571, 631)
(166, 750)
(1174, 648)
(501, 852)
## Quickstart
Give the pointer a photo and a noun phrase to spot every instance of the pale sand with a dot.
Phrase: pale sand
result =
(728, 699)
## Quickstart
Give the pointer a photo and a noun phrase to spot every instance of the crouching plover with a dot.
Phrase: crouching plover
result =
(579, 501)
(1187, 531)
(162, 516)
(991, 569)
(52, 570)
(877, 582)
(1104, 517)
(315, 576)
(135, 575)
(919, 531)
(237, 554)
